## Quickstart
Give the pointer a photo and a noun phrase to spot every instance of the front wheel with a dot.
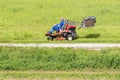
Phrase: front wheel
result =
(69, 37)
(50, 38)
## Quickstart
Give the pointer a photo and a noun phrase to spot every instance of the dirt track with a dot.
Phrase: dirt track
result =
(65, 45)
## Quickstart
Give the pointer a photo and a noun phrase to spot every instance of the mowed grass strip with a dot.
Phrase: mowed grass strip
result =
(60, 75)
(29, 20)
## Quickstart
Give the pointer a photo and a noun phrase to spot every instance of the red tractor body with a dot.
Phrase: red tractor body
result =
(68, 33)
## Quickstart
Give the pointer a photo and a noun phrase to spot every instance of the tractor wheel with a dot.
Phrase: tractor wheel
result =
(74, 35)
(69, 37)
(50, 38)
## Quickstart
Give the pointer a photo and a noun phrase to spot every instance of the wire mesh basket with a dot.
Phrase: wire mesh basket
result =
(88, 21)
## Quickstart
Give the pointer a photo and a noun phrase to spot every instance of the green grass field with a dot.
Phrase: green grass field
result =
(28, 20)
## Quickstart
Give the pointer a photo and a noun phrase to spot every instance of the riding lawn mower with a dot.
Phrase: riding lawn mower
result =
(69, 30)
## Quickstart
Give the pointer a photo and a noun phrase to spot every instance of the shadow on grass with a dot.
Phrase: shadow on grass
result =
(91, 36)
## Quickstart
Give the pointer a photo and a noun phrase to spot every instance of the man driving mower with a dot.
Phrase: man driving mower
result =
(58, 27)
(62, 31)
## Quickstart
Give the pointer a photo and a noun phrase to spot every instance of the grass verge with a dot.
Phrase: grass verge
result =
(66, 59)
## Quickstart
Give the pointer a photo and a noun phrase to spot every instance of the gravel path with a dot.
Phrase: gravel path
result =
(65, 45)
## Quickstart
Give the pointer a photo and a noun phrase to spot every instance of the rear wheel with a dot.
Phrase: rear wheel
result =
(74, 35)
(69, 37)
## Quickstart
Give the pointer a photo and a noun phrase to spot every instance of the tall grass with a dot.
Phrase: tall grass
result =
(28, 20)
(58, 59)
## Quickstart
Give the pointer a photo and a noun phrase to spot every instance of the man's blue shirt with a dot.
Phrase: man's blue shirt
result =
(58, 27)
(62, 23)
